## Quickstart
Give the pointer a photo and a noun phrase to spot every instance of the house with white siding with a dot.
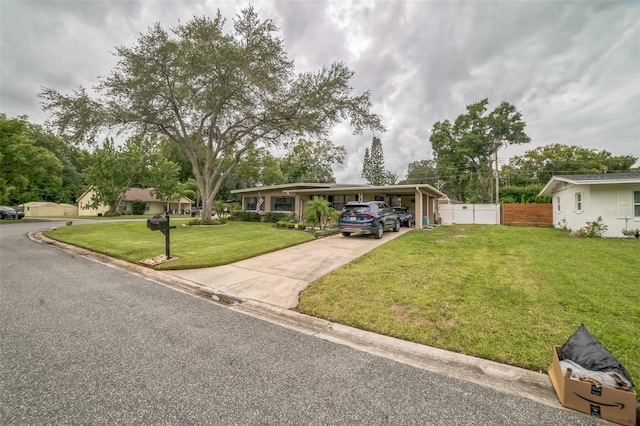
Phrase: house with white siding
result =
(579, 199)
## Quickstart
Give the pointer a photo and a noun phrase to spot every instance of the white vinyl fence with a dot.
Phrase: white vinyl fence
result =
(484, 214)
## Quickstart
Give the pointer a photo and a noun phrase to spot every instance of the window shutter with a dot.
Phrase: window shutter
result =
(624, 204)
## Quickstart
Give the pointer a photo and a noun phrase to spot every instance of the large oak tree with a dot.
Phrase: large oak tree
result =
(216, 95)
(466, 149)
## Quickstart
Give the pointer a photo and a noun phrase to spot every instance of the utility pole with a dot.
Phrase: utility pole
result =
(497, 179)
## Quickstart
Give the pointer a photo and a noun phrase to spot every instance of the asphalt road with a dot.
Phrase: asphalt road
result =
(84, 343)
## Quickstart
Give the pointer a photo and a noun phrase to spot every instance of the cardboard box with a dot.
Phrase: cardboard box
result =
(611, 404)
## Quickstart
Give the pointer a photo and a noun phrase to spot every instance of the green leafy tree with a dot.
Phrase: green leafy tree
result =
(219, 206)
(28, 171)
(537, 166)
(215, 95)
(373, 169)
(115, 169)
(73, 160)
(466, 149)
(311, 161)
(422, 171)
(523, 194)
(319, 211)
(183, 189)
(190, 190)
(172, 152)
(258, 168)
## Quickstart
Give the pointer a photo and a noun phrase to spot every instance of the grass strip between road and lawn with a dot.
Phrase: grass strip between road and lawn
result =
(195, 247)
(506, 294)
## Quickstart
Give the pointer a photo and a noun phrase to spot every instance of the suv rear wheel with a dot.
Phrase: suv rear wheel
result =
(346, 234)
(379, 231)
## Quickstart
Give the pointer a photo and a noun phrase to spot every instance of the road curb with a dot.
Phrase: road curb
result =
(159, 277)
(501, 377)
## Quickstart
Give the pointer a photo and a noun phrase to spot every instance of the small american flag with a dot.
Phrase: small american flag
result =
(259, 204)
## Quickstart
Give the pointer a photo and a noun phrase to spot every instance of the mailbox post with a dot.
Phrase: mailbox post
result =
(159, 223)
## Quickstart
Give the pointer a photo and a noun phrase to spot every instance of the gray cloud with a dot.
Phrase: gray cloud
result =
(571, 68)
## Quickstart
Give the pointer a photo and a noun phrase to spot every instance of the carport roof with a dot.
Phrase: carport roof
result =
(284, 187)
(336, 188)
(389, 189)
(332, 188)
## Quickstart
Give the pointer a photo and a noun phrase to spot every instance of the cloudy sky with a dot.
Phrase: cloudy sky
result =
(571, 67)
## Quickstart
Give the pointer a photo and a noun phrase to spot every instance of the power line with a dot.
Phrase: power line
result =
(586, 139)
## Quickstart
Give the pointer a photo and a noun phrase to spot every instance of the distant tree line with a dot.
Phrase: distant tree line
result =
(37, 165)
(465, 163)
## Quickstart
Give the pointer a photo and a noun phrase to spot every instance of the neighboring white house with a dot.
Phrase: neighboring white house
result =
(578, 199)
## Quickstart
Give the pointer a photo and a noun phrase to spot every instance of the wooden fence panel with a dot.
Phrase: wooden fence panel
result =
(527, 214)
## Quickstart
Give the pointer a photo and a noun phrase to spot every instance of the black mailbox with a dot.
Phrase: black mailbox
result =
(158, 223)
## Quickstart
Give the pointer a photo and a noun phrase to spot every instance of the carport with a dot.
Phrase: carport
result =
(422, 199)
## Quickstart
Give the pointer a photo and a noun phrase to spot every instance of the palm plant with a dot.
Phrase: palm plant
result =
(320, 211)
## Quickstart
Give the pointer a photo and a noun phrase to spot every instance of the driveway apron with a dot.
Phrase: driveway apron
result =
(278, 278)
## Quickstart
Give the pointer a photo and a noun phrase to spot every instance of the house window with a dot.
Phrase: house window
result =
(578, 201)
(636, 204)
(250, 203)
(147, 206)
(122, 207)
(283, 204)
(338, 201)
(558, 203)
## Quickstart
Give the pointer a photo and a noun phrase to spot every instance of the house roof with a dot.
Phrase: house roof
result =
(324, 188)
(285, 186)
(594, 179)
(141, 194)
(40, 204)
(144, 194)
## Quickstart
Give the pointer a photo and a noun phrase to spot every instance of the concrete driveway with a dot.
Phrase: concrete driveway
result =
(278, 278)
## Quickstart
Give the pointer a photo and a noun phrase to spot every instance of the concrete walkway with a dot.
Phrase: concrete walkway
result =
(278, 278)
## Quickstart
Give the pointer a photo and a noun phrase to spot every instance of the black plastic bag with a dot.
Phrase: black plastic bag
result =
(585, 350)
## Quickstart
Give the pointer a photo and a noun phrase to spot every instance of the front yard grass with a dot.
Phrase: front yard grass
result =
(502, 293)
(196, 247)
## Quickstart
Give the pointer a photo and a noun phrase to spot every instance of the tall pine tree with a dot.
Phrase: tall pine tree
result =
(366, 165)
(373, 169)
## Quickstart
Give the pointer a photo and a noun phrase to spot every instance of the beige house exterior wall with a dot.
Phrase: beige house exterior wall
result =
(47, 209)
(154, 206)
(422, 199)
(84, 200)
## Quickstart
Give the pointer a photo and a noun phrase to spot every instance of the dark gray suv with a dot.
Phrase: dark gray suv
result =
(369, 217)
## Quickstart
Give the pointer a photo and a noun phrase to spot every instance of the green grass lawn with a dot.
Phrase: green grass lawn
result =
(502, 293)
(121, 217)
(196, 247)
